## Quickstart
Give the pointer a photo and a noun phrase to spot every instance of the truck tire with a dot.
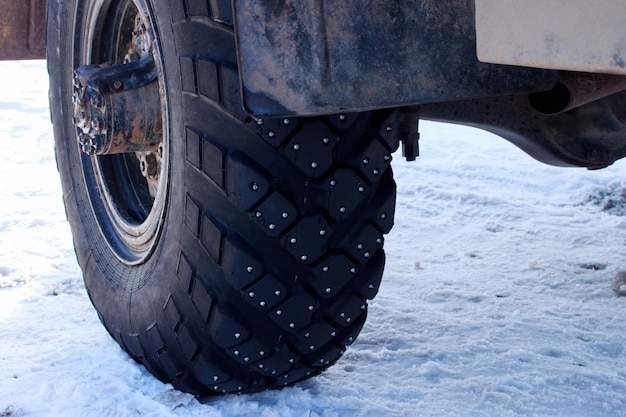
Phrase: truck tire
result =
(245, 259)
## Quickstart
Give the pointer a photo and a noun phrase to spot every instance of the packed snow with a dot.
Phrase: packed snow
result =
(497, 298)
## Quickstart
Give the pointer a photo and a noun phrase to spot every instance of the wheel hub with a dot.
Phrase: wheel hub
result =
(117, 108)
(120, 116)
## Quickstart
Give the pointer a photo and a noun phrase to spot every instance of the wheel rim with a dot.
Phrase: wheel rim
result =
(128, 191)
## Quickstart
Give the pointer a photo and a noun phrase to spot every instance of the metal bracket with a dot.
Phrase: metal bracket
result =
(117, 78)
(409, 133)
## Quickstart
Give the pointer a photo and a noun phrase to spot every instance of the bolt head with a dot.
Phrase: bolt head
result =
(117, 85)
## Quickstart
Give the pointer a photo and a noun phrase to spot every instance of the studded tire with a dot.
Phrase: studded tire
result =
(272, 230)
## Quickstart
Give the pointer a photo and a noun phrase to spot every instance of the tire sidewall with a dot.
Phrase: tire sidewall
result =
(128, 298)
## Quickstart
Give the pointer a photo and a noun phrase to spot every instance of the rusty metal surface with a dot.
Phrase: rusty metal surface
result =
(22, 29)
(117, 108)
(326, 56)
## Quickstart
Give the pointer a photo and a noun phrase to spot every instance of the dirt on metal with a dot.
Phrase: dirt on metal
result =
(22, 29)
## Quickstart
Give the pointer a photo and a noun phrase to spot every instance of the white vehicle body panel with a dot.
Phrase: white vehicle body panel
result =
(575, 35)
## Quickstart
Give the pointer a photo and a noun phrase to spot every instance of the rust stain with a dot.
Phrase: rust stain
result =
(23, 30)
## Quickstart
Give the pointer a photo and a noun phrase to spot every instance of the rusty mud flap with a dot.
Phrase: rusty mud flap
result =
(22, 29)
(328, 56)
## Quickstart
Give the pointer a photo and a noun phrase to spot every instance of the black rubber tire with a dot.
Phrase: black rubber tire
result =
(273, 235)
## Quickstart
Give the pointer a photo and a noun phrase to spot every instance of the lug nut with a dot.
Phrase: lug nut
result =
(96, 100)
(148, 165)
(97, 124)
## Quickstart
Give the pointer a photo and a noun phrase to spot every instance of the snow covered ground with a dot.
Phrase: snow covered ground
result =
(496, 299)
